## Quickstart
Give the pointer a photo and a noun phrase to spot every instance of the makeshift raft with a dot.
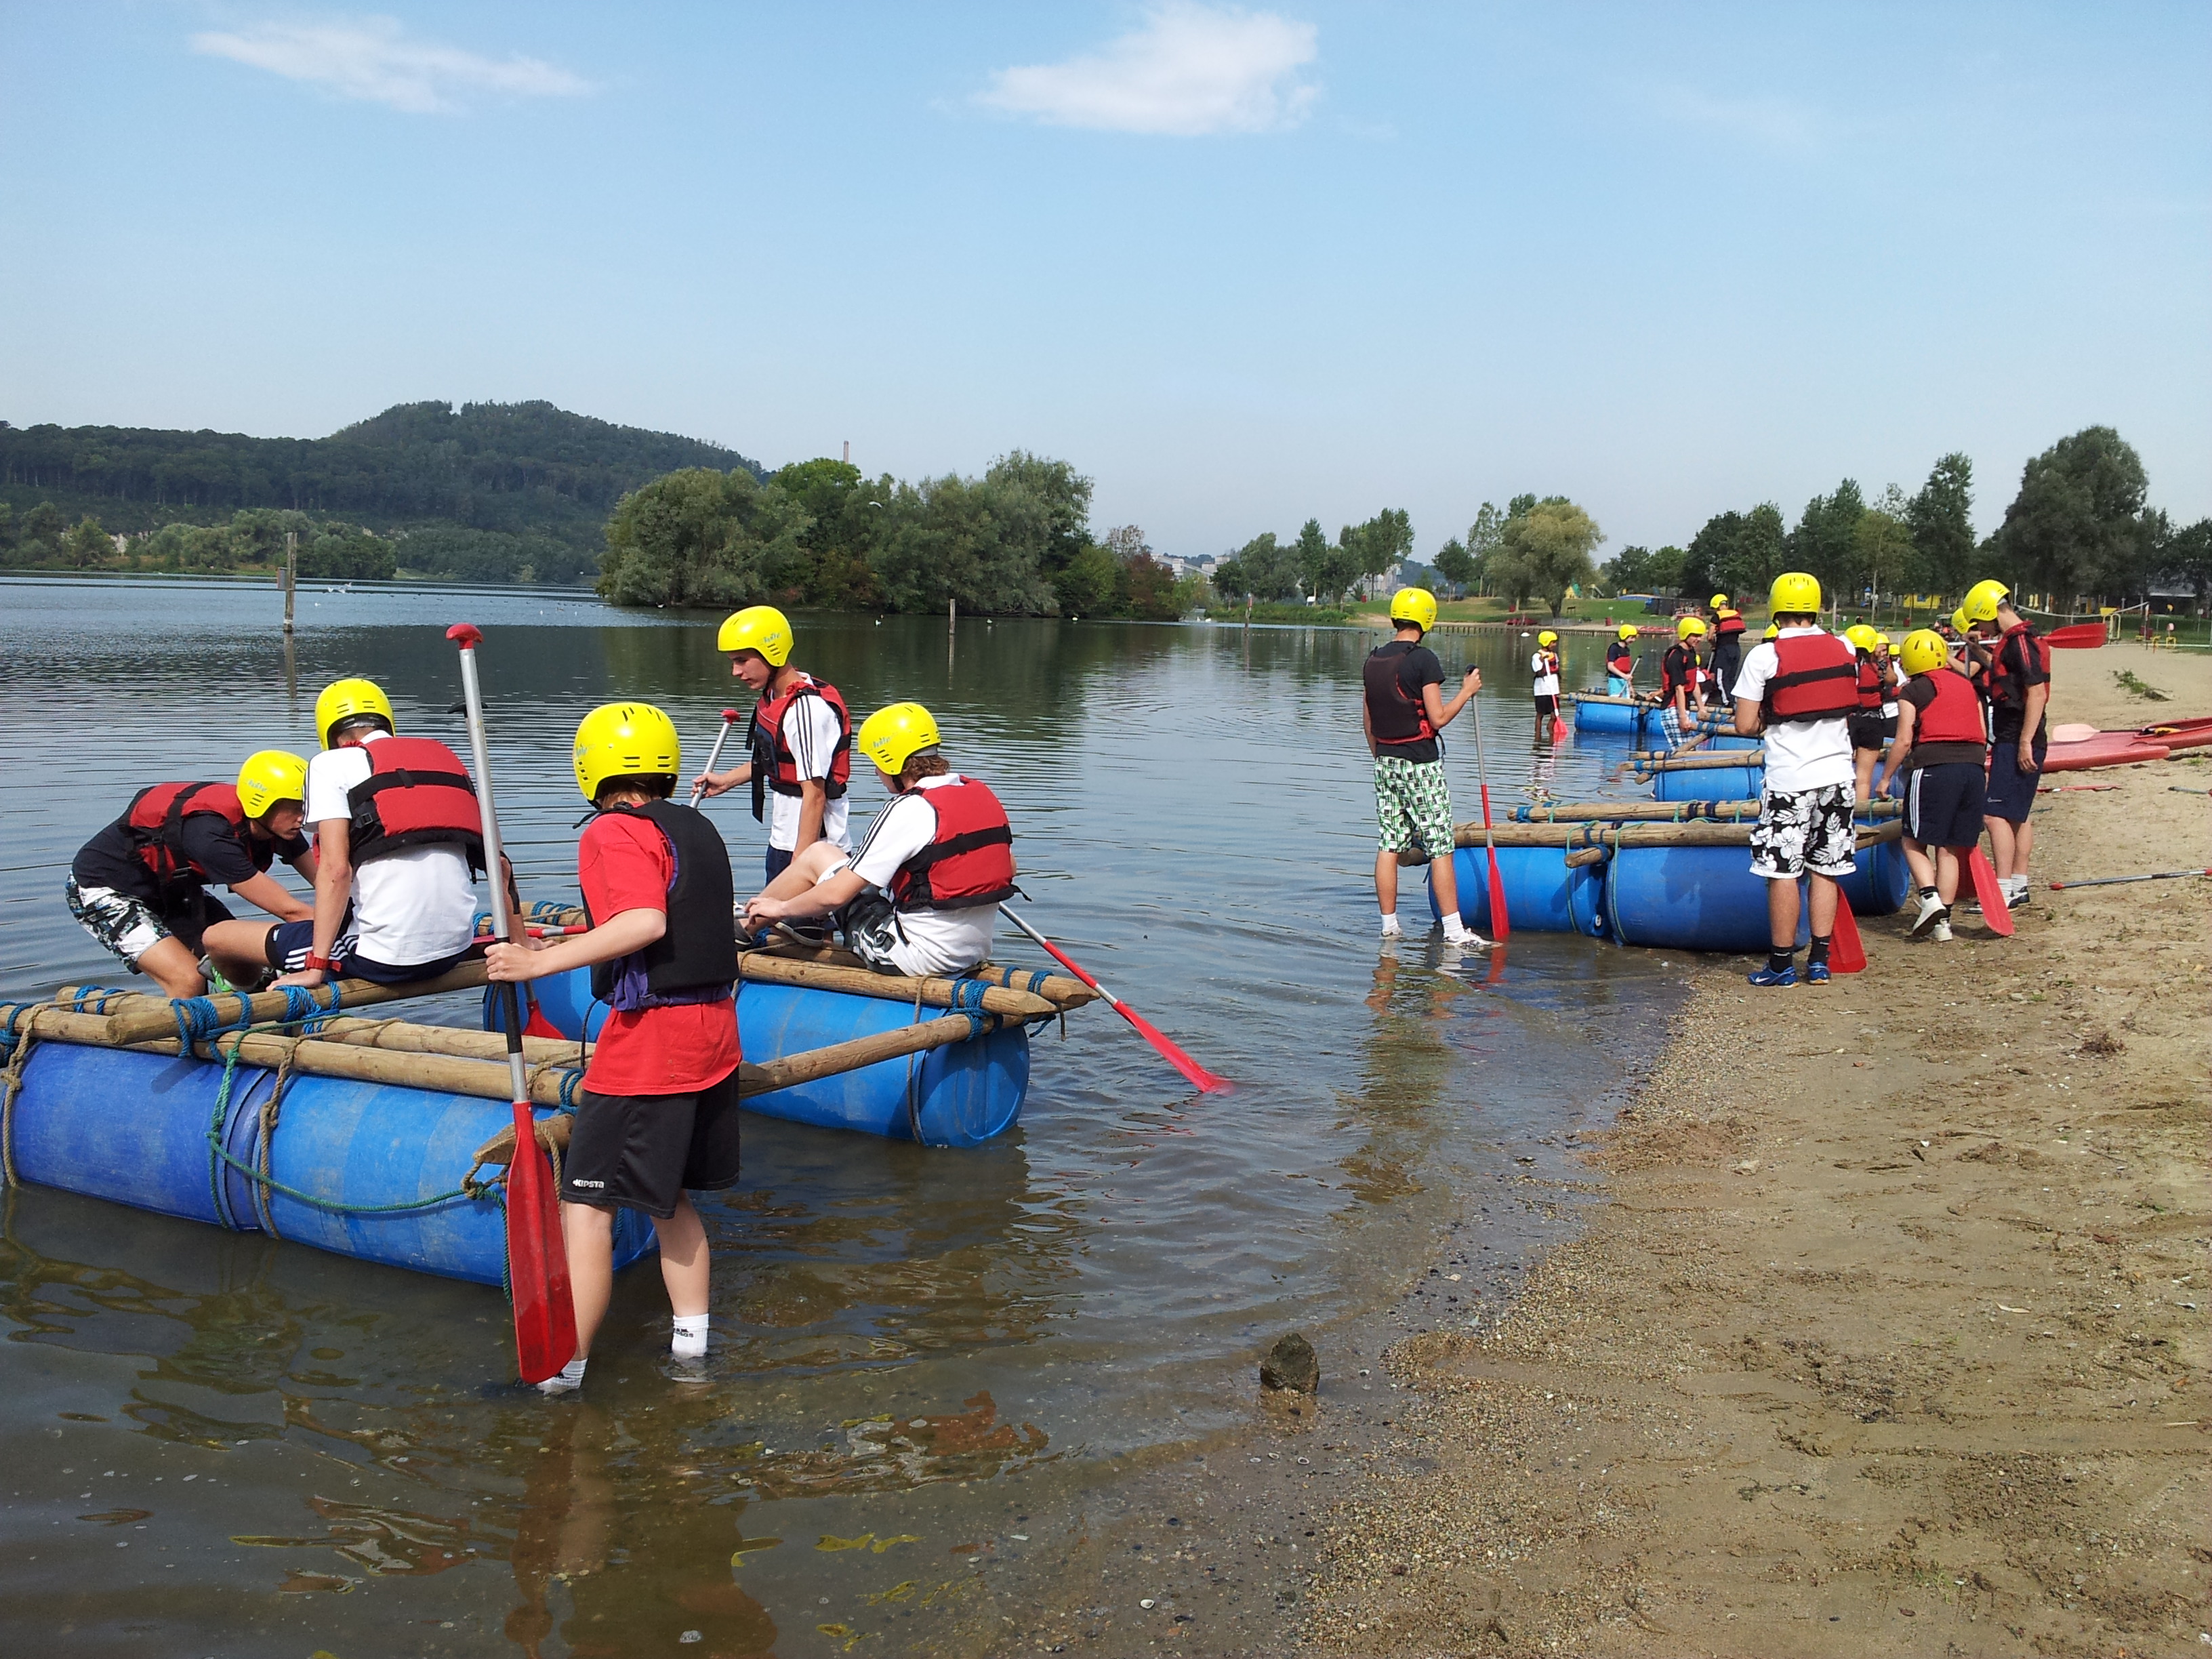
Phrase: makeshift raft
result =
(385, 1141)
(1680, 886)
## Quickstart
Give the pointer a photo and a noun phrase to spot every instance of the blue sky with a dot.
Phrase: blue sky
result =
(1242, 267)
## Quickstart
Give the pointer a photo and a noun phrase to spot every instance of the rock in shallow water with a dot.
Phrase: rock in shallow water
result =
(1291, 1366)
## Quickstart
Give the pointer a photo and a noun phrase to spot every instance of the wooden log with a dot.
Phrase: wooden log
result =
(771, 965)
(795, 1069)
(152, 1016)
(1703, 763)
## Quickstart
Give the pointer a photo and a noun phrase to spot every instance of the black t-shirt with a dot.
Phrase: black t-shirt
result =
(1920, 691)
(229, 856)
(2023, 667)
(1678, 667)
(1416, 667)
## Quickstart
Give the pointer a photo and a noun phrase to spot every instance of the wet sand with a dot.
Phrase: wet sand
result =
(1891, 1338)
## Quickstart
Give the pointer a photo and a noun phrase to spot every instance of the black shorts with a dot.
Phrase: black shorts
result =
(645, 1152)
(1872, 731)
(1547, 703)
(1943, 803)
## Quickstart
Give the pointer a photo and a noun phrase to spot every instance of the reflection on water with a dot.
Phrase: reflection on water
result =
(922, 1360)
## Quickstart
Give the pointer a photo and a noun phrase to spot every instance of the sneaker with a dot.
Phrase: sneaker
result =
(1390, 928)
(1932, 910)
(1941, 933)
(1766, 976)
(1467, 939)
(1816, 973)
(2014, 899)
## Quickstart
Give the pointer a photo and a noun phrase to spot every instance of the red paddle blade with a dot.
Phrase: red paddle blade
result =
(537, 1259)
(1990, 895)
(1501, 925)
(1205, 1081)
(1200, 1078)
(1559, 730)
(539, 1026)
(2081, 636)
(1845, 954)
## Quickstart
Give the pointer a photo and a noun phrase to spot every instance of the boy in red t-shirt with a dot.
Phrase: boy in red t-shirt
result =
(658, 1117)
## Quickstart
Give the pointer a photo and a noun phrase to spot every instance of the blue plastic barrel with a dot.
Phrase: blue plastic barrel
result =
(1614, 717)
(1542, 895)
(133, 1128)
(1685, 898)
(1708, 783)
(963, 1094)
(1883, 879)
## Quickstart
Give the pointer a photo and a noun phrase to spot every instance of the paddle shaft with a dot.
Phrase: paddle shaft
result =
(1191, 1071)
(729, 720)
(510, 1002)
(2115, 881)
(1500, 926)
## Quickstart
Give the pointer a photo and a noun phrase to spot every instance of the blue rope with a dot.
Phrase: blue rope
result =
(968, 999)
(197, 1018)
(92, 999)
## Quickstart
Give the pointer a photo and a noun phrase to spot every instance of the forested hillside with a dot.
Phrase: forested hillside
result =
(484, 492)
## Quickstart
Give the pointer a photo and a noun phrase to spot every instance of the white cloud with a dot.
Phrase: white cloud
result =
(1190, 69)
(374, 58)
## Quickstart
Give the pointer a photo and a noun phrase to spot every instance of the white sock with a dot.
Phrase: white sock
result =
(1457, 931)
(1390, 928)
(689, 1339)
(570, 1376)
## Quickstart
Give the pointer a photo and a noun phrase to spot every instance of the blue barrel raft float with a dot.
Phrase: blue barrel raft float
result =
(1681, 886)
(387, 1141)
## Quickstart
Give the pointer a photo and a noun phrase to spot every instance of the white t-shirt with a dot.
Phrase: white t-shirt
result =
(418, 904)
(809, 731)
(1547, 684)
(1802, 753)
(937, 941)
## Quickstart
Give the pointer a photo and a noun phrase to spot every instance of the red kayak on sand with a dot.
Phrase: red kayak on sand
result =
(2176, 734)
(2105, 749)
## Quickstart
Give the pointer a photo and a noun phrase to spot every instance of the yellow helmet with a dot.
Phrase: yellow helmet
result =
(1924, 651)
(1689, 628)
(761, 627)
(1795, 593)
(269, 776)
(1548, 637)
(1982, 598)
(1628, 630)
(1773, 631)
(624, 740)
(1720, 601)
(345, 700)
(1959, 620)
(1862, 636)
(1416, 606)
(889, 737)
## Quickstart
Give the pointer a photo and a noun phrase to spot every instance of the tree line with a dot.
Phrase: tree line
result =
(485, 492)
(2080, 530)
(817, 534)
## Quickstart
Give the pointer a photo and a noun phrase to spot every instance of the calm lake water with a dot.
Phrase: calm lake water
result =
(225, 1444)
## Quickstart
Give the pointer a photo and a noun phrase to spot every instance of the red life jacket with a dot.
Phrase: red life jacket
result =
(1618, 658)
(418, 794)
(1954, 715)
(1397, 719)
(1818, 677)
(1727, 624)
(157, 815)
(775, 766)
(1677, 670)
(1872, 691)
(2006, 689)
(969, 862)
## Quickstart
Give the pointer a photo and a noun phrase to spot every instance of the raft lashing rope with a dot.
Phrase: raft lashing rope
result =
(197, 1018)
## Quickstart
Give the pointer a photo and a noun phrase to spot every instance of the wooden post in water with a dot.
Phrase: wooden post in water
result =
(291, 575)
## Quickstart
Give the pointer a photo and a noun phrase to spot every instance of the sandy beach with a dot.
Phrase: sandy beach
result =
(1890, 1335)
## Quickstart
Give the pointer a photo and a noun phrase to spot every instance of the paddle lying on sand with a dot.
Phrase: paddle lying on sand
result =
(1199, 1077)
(729, 720)
(1988, 893)
(2081, 636)
(537, 1261)
(1845, 954)
(1501, 926)
(2114, 881)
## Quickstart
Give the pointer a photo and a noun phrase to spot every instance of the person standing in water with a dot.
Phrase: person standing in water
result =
(1620, 662)
(1402, 715)
(1543, 672)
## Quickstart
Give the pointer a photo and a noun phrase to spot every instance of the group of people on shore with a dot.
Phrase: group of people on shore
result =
(387, 830)
(1950, 718)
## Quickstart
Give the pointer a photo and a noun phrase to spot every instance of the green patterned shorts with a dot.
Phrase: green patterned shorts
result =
(1412, 806)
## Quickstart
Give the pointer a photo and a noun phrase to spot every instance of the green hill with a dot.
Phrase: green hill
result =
(484, 492)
